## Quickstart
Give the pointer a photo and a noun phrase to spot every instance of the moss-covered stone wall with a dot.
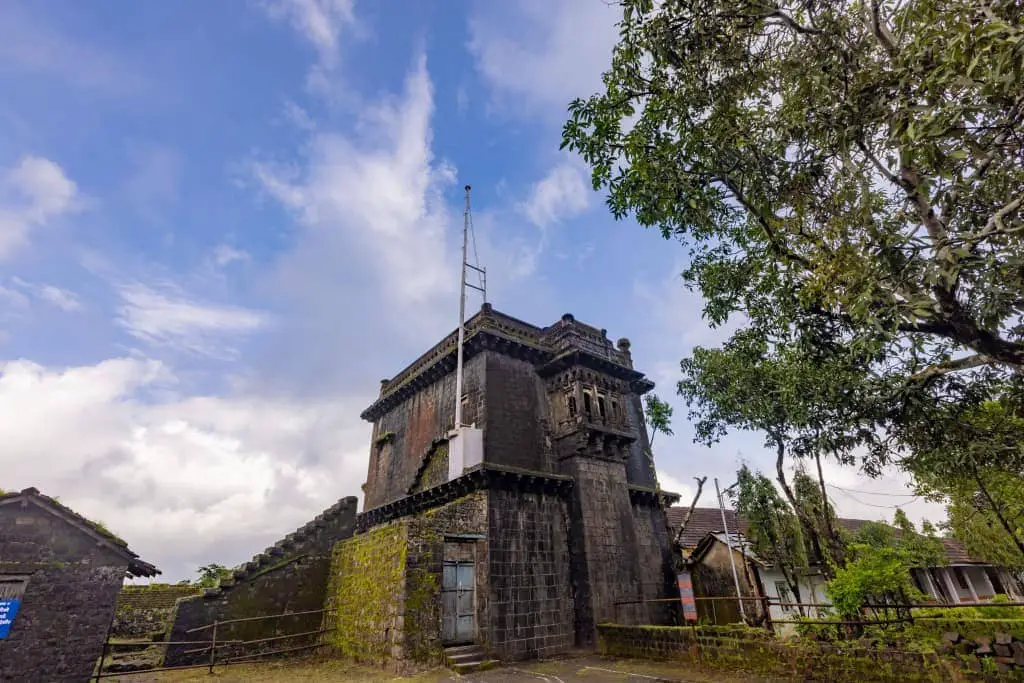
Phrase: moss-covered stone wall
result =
(366, 594)
(384, 592)
(739, 648)
(290, 577)
(143, 611)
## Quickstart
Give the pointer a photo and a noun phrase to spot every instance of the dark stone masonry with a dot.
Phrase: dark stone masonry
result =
(289, 576)
(568, 520)
(65, 572)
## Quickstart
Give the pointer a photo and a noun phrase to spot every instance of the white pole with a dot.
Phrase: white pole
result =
(462, 317)
(732, 559)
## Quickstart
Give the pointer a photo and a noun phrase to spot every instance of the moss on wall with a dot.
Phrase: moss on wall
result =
(365, 593)
(739, 648)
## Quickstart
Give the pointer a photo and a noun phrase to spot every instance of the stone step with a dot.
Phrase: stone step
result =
(466, 658)
(482, 665)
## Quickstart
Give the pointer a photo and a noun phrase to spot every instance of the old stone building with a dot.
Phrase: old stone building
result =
(545, 520)
(60, 575)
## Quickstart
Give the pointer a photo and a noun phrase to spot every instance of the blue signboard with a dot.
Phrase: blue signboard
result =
(8, 610)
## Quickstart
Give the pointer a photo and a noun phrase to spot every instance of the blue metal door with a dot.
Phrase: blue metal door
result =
(458, 613)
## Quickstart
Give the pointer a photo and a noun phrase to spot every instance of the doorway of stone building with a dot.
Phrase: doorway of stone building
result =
(458, 604)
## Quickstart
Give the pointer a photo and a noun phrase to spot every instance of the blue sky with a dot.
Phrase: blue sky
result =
(222, 223)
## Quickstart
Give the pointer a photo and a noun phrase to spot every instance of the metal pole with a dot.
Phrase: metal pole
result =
(462, 317)
(732, 559)
(103, 656)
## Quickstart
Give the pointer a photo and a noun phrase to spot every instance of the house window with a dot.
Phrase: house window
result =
(997, 584)
(12, 587)
(600, 406)
(961, 579)
(615, 410)
(587, 409)
(572, 406)
(785, 596)
(940, 586)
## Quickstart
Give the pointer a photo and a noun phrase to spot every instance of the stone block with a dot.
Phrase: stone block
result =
(1003, 638)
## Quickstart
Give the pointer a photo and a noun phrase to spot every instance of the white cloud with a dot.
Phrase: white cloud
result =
(34, 192)
(543, 54)
(34, 47)
(559, 195)
(374, 203)
(61, 298)
(169, 319)
(319, 21)
(225, 254)
(185, 481)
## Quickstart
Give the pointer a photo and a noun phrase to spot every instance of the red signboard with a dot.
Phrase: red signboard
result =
(685, 584)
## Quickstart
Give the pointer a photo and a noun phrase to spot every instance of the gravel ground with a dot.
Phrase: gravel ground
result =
(570, 670)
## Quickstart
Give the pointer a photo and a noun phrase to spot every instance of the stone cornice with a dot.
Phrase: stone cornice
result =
(481, 477)
(644, 494)
(551, 349)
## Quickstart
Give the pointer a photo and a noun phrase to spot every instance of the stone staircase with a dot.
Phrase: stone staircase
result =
(464, 659)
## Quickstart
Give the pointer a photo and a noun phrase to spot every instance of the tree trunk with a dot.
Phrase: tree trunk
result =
(836, 549)
(689, 512)
(996, 511)
(805, 521)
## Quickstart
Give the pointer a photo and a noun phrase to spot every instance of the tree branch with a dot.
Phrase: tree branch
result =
(946, 367)
(689, 512)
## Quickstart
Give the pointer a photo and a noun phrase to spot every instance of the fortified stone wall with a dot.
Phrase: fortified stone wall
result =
(654, 559)
(405, 435)
(290, 576)
(604, 532)
(517, 415)
(531, 588)
(69, 598)
(143, 611)
(385, 587)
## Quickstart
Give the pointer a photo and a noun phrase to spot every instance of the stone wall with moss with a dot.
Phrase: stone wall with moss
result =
(365, 594)
(143, 611)
(289, 577)
(739, 648)
(384, 593)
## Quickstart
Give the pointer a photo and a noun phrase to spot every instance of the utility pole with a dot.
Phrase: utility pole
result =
(732, 559)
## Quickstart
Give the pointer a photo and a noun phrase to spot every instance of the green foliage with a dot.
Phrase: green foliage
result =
(211, 574)
(973, 459)
(774, 531)
(659, 416)
(847, 178)
(878, 571)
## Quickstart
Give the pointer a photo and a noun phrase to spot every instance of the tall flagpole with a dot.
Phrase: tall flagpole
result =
(462, 316)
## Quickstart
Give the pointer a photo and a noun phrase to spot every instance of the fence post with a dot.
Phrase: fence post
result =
(103, 656)
(768, 614)
(213, 646)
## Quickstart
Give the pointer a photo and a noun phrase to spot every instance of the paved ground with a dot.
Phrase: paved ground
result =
(571, 670)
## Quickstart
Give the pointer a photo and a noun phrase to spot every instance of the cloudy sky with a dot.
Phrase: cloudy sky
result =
(222, 223)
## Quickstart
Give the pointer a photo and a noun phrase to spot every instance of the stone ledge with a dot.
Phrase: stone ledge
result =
(484, 476)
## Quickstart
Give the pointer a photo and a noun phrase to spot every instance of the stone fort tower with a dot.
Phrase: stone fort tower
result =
(535, 534)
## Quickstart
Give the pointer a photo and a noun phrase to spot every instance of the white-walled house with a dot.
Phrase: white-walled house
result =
(705, 551)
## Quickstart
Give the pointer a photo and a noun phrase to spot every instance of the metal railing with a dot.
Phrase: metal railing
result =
(212, 645)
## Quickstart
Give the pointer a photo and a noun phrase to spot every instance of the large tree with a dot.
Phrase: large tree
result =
(846, 171)
(868, 153)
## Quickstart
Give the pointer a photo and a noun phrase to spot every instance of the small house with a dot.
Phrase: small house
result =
(705, 550)
(60, 576)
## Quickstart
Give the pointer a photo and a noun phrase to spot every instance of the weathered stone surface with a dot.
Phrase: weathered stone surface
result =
(984, 645)
(294, 582)
(1003, 638)
(952, 637)
(145, 610)
(69, 599)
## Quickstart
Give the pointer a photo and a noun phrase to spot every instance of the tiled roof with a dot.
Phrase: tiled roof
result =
(136, 567)
(702, 522)
(706, 521)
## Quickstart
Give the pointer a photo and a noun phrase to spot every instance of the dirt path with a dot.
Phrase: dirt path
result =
(574, 670)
